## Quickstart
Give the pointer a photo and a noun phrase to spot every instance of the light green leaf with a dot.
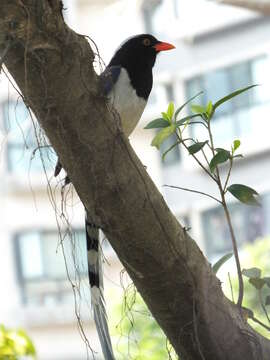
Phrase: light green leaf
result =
(29, 346)
(163, 135)
(252, 273)
(257, 283)
(170, 110)
(236, 145)
(187, 102)
(221, 157)
(198, 109)
(244, 193)
(232, 95)
(220, 262)
(193, 149)
(15, 343)
(157, 123)
(166, 117)
(209, 109)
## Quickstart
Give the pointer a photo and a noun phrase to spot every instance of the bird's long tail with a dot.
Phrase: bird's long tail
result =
(96, 284)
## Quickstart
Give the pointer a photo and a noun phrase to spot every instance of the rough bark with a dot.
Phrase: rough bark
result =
(53, 67)
(262, 6)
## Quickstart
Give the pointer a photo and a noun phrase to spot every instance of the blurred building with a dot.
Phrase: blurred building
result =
(218, 49)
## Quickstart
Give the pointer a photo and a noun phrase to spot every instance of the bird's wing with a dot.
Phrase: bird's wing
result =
(108, 78)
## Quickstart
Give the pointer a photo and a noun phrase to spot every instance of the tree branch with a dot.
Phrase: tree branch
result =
(52, 65)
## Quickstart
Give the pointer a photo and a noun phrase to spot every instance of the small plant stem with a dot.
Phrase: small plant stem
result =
(235, 251)
(262, 304)
(229, 276)
(194, 191)
(195, 158)
(204, 155)
(229, 222)
(260, 323)
(228, 175)
(198, 122)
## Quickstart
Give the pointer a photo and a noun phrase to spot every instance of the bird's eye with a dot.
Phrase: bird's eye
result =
(146, 42)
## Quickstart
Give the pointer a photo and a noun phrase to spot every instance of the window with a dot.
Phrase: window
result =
(148, 12)
(153, 14)
(21, 141)
(249, 223)
(41, 265)
(160, 96)
(238, 117)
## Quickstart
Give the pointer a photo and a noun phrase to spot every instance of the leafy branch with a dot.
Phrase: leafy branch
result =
(214, 157)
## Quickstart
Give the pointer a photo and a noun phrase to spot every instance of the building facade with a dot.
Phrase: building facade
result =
(218, 49)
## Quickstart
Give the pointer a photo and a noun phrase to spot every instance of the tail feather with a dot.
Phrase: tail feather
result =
(95, 280)
(96, 284)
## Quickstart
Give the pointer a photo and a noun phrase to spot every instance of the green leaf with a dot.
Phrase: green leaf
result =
(170, 148)
(232, 95)
(244, 193)
(209, 109)
(14, 344)
(163, 135)
(187, 102)
(29, 346)
(157, 123)
(220, 262)
(252, 273)
(221, 156)
(166, 117)
(198, 109)
(170, 110)
(185, 119)
(236, 145)
(257, 283)
(221, 150)
(267, 300)
(193, 149)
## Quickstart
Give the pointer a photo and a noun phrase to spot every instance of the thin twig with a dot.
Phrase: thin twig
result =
(198, 122)
(228, 175)
(196, 159)
(228, 218)
(38, 148)
(4, 53)
(260, 323)
(204, 155)
(194, 191)
(229, 276)
(262, 304)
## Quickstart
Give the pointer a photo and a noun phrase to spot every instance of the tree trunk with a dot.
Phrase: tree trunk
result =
(52, 66)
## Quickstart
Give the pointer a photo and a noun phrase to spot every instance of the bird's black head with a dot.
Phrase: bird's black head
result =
(139, 50)
(138, 55)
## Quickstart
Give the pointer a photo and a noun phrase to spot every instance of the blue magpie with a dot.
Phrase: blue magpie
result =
(126, 82)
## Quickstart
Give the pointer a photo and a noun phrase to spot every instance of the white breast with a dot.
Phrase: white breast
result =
(128, 104)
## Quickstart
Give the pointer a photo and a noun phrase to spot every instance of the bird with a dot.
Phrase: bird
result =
(126, 83)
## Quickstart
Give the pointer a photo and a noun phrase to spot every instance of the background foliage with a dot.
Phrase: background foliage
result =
(14, 344)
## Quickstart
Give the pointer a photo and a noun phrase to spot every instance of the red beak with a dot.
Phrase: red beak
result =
(163, 46)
